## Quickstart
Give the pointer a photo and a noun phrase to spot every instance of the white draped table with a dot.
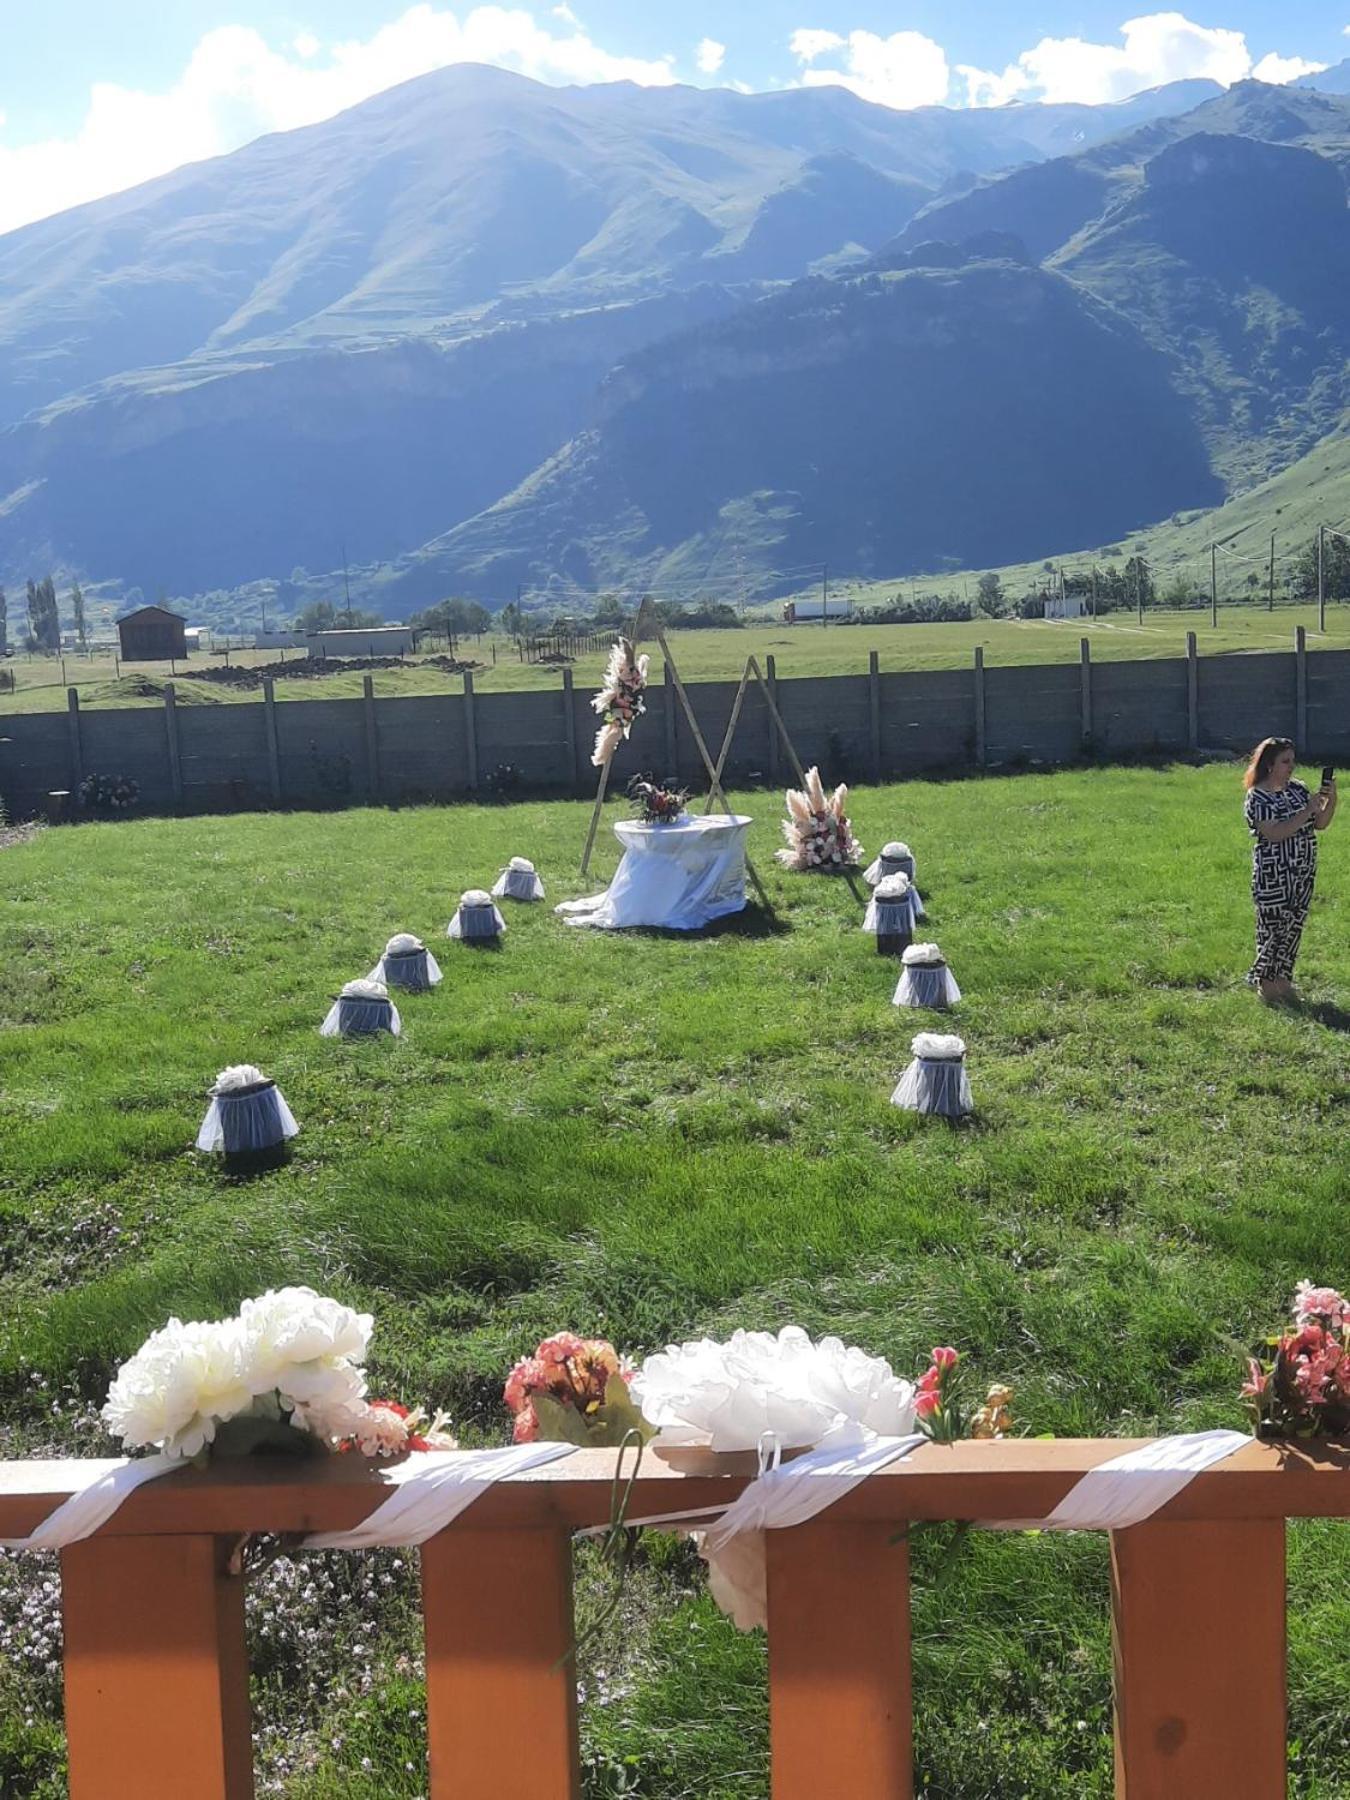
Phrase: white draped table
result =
(679, 876)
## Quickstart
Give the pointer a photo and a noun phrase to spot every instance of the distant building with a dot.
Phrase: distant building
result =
(1064, 606)
(198, 637)
(377, 640)
(279, 640)
(798, 612)
(152, 634)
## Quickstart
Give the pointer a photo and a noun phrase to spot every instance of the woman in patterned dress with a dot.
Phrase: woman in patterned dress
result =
(1284, 820)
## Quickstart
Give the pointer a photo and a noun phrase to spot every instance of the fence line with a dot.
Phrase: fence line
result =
(874, 725)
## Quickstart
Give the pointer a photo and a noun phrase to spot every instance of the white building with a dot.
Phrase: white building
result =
(1064, 606)
(279, 640)
(377, 640)
(799, 612)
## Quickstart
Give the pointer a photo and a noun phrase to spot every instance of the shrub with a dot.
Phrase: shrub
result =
(109, 793)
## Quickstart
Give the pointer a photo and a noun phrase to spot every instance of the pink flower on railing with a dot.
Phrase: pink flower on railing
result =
(574, 1390)
(1305, 1390)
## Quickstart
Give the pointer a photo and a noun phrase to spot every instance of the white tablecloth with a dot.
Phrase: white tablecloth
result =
(678, 876)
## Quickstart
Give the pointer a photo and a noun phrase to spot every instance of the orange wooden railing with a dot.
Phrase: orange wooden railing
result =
(156, 1676)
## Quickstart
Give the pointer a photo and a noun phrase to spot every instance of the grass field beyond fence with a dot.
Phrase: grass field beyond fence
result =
(798, 651)
(650, 1136)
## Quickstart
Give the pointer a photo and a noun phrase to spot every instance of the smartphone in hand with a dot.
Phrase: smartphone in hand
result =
(1328, 775)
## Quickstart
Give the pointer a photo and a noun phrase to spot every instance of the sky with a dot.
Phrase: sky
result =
(96, 97)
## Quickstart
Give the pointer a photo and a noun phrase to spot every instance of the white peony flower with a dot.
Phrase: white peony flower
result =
(921, 956)
(304, 1346)
(476, 897)
(364, 989)
(522, 865)
(403, 943)
(729, 1395)
(238, 1075)
(892, 887)
(934, 1046)
(895, 851)
(182, 1382)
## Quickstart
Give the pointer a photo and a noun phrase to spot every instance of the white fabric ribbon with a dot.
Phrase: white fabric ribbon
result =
(788, 1494)
(1133, 1486)
(430, 1490)
(104, 1486)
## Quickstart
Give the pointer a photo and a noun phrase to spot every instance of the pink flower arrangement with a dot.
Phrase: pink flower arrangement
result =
(941, 1408)
(1304, 1390)
(619, 702)
(817, 828)
(574, 1390)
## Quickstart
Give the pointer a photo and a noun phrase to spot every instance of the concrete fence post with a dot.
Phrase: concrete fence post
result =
(171, 739)
(569, 730)
(874, 710)
(771, 682)
(981, 742)
(372, 738)
(470, 735)
(671, 723)
(1085, 687)
(273, 743)
(76, 752)
(1300, 687)
(1192, 692)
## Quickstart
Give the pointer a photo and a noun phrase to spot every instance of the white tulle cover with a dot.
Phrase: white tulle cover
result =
(930, 985)
(680, 876)
(246, 1121)
(519, 880)
(477, 918)
(360, 1016)
(895, 859)
(936, 1081)
(890, 911)
(415, 971)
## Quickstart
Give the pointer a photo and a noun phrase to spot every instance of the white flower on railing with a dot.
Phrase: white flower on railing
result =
(729, 1395)
(238, 1075)
(183, 1381)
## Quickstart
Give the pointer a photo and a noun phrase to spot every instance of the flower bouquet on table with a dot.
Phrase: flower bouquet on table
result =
(1301, 1389)
(817, 829)
(943, 1409)
(284, 1374)
(574, 1390)
(619, 702)
(656, 803)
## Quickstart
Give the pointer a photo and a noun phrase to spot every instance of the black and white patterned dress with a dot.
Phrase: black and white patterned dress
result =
(1282, 881)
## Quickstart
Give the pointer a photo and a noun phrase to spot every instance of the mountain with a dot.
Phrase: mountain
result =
(1335, 80)
(881, 422)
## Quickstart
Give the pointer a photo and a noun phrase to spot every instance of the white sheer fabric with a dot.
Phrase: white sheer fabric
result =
(429, 1490)
(247, 1120)
(352, 1016)
(930, 985)
(519, 880)
(895, 859)
(477, 919)
(415, 971)
(1133, 1486)
(105, 1485)
(680, 876)
(935, 1084)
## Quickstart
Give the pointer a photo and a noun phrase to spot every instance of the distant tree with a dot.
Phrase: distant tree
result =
(1139, 583)
(511, 619)
(77, 608)
(1335, 569)
(320, 615)
(31, 637)
(453, 618)
(44, 620)
(990, 591)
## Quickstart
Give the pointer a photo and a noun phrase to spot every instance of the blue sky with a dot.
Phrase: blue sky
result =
(96, 96)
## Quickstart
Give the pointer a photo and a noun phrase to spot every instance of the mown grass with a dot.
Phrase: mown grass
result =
(650, 1136)
(798, 651)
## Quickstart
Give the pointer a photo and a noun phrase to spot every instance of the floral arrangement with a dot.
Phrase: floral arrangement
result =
(937, 1046)
(366, 988)
(619, 702)
(729, 1395)
(655, 803)
(109, 793)
(942, 1407)
(237, 1077)
(403, 943)
(284, 1373)
(817, 829)
(1304, 1389)
(573, 1390)
(923, 956)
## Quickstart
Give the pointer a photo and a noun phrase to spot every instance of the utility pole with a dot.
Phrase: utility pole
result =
(1270, 592)
(346, 585)
(1321, 577)
(824, 593)
(1139, 587)
(1094, 590)
(1214, 586)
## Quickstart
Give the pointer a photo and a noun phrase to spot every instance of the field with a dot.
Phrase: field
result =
(798, 650)
(652, 1137)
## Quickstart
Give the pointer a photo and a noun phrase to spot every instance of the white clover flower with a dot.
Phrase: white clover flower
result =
(729, 1395)
(183, 1381)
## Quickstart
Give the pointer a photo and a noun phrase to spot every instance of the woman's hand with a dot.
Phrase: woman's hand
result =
(1325, 801)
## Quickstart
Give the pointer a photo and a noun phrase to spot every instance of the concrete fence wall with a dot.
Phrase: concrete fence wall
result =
(871, 726)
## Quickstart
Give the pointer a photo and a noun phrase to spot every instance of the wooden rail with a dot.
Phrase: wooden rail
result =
(154, 1617)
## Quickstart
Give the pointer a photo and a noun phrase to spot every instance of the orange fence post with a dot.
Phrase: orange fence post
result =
(1199, 1630)
(501, 1687)
(156, 1671)
(840, 1723)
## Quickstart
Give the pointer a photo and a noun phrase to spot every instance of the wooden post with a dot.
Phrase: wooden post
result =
(727, 736)
(874, 710)
(671, 725)
(771, 684)
(1192, 692)
(156, 1670)
(501, 1684)
(470, 735)
(981, 744)
(1198, 1614)
(569, 730)
(76, 754)
(839, 1666)
(171, 739)
(372, 738)
(273, 744)
(1085, 688)
(1300, 687)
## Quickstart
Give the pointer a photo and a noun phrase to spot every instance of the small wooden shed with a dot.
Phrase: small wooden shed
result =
(152, 634)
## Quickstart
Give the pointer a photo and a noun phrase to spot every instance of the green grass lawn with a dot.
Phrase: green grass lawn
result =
(798, 650)
(648, 1137)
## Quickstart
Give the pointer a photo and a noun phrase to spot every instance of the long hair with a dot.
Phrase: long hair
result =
(1263, 760)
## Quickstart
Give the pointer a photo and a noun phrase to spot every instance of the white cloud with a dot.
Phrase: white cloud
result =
(1282, 69)
(306, 44)
(564, 12)
(903, 70)
(710, 56)
(236, 87)
(1156, 48)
